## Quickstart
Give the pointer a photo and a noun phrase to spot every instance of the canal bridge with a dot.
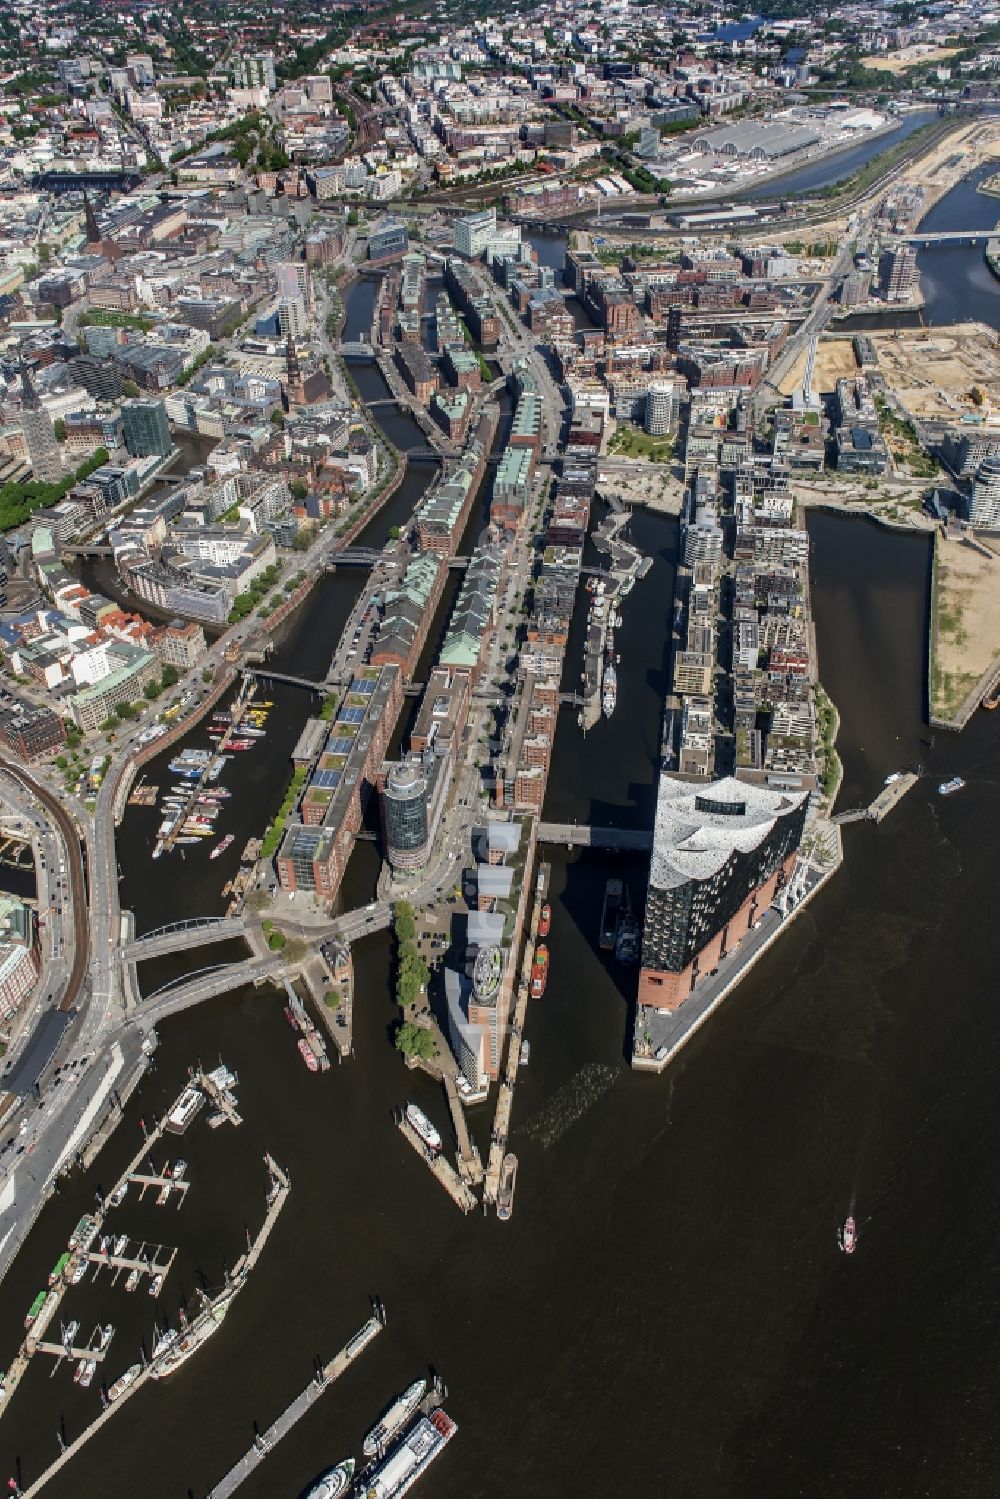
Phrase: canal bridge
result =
(582, 835)
(179, 935)
(357, 349)
(193, 989)
(924, 238)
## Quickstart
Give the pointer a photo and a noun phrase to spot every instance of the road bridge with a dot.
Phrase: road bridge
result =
(198, 932)
(926, 237)
(209, 985)
(357, 349)
(582, 835)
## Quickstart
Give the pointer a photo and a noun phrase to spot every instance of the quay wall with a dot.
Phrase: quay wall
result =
(650, 1064)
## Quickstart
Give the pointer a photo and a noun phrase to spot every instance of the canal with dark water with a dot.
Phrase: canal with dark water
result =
(667, 1310)
(829, 170)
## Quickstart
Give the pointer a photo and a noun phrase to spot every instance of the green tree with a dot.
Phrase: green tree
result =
(299, 488)
(129, 388)
(405, 925)
(415, 1041)
(278, 417)
(59, 428)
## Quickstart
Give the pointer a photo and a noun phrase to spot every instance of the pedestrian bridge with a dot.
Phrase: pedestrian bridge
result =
(888, 797)
(582, 835)
(180, 935)
(358, 350)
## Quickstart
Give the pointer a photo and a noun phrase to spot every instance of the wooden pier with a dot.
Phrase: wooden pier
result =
(890, 796)
(278, 1189)
(441, 1168)
(219, 1096)
(505, 1097)
(141, 1262)
(166, 1184)
(199, 786)
(470, 1167)
(267, 1440)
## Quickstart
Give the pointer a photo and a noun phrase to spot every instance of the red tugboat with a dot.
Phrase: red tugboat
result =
(539, 971)
(545, 920)
(848, 1236)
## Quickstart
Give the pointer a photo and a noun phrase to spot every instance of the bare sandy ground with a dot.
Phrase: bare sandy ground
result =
(934, 371)
(834, 361)
(967, 595)
(907, 57)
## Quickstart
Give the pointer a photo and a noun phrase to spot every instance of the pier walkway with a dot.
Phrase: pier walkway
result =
(581, 835)
(505, 1097)
(277, 1192)
(890, 796)
(445, 1172)
(470, 1167)
(265, 1441)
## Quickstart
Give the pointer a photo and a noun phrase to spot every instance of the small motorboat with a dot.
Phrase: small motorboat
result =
(848, 1236)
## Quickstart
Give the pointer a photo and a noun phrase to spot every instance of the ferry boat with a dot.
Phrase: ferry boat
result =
(124, 1382)
(396, 1474)
(524, 1055)
(418, 1120)
(35, 1308)
(848, 1236)
(308, 1055)
(396, 1416)
(508, 1179)
(609, 690)
(333, 1482)
(539, 971)
(609, 913)
(84, 1232)
(545, 920)
(191, 1101)
(948, 788)
(240, 744)
(198, 1332)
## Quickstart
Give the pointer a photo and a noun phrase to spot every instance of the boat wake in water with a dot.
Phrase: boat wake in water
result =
(571, 1102)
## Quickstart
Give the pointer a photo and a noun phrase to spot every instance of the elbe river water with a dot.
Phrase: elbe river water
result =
(667, 1311)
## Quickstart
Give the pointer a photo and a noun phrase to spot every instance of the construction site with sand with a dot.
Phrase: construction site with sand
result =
(945, 374)
(965, 626)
